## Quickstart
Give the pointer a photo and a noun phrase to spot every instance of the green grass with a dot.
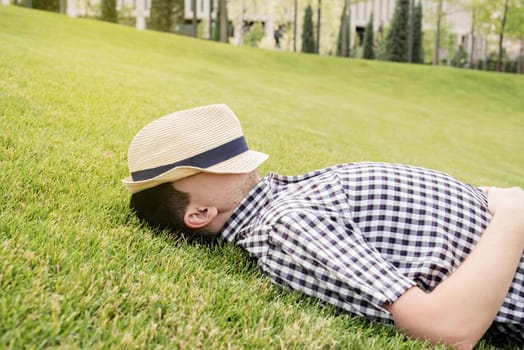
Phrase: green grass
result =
(77, 270)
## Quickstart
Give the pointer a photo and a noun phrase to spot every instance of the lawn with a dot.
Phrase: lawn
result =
(77, 270)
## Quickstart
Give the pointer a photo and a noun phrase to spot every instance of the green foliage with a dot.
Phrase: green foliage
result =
(308, 39)
(216, 26)
(78, 271)
(460, 59)
(108, 11)
(202, 28)
(504, 21)
(515, 25)
(161, 17)
(451, 45)
(254, 35)
(490, 64)
(369, 42)
(446, 38)
(47, 5)
(216, 29)
(398, 35)
(515, 30)
(126, 15)
(489, 11)
(380, 43)
(344, 33)
(418, 36)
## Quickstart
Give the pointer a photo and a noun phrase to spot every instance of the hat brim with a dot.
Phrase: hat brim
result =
(242, 163)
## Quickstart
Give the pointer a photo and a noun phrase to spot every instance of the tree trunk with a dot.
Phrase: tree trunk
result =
(194, 22)
(224, 34)
(295, 29)
(472, 38)
(501, 35)
(436, 57)
(239, 26)
(210, 19)
(344, 32)
(411, 25)
(485, 54)
(349, 28)
(318, 26)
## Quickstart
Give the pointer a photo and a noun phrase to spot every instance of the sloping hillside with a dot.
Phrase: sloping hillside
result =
(77, 270)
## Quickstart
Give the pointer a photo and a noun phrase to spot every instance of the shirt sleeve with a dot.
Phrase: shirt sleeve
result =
(327, 257)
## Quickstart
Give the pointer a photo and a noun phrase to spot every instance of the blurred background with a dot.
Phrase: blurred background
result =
(475, 34)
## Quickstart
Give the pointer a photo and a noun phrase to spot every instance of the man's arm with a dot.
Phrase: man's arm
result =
(460, 309)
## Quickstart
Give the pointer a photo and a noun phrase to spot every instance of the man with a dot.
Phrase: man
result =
(440, 259)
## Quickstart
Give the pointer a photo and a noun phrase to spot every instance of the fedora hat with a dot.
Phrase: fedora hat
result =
(181, 144)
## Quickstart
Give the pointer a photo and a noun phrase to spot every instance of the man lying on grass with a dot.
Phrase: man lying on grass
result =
(440, 259)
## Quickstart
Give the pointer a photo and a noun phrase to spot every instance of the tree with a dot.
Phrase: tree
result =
(317, 46)
(498, 14)
(210, 20)
(411, 25)
(161, 17)
(369, 41)
(440, 13)
(108, 11)
(194, 19)
(380, 44)
(221, 29)
(344, 37)
(224, 33)
(254, 35)
(295, 27)
(460, 58)
(520, 63)
(480, 25)
(471, 60)
(308, 40)
(515, 30)
(397, 37)
(216, 32)
(47, 5)
(418, 36)
(503, 22)
(26, 3)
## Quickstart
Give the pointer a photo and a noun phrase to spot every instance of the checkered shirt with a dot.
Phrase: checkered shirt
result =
(359, 235)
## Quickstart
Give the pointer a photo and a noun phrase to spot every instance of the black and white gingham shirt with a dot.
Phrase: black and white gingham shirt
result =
(359, 235)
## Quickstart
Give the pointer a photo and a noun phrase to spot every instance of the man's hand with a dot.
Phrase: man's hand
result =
(505, 199)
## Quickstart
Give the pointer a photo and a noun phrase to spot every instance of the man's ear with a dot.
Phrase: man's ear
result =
(197, 217)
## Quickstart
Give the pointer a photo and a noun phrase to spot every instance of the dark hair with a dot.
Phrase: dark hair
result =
(161, 207)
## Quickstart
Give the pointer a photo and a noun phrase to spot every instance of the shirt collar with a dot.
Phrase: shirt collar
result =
(247, 210)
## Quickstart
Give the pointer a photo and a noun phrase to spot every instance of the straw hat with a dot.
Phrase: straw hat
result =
(183, 143)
